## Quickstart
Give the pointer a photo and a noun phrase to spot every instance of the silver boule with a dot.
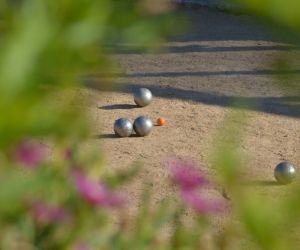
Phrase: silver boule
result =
(142, 97)
(123, 127)
(142, 126)
(285, 172)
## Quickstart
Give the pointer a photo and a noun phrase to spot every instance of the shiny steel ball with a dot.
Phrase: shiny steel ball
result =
(142, 126)
(123, 127)
(285, 172)
(142, 97)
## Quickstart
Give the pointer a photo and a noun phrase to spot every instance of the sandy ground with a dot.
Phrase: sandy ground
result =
(195, 79)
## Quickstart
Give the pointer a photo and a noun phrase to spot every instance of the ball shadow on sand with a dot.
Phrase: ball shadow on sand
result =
(113, 136)
(262, 183)
(118, 106)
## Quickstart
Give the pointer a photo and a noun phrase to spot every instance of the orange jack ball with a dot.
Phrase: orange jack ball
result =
(161, 121)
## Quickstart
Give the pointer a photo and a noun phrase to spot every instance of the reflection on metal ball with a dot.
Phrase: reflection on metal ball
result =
(142, 97)
(123, 127)
(285, 172)
(142, 125)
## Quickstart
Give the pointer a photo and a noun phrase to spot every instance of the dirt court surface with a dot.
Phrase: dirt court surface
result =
(195, 80)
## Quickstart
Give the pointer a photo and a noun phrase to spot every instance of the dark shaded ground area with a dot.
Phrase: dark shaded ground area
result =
(285, 105)
(222, 60)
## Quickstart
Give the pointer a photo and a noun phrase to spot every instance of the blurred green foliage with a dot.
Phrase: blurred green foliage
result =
(284, 12)
(269, 221)
(46, 47)
(49, 45)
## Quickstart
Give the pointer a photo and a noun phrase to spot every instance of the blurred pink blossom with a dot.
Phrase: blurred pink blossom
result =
(200, 204)
(191, 180)
(30, 153)
(69, 154)
(45, 214)
(96, 193)
(186, 174)
(83, 246)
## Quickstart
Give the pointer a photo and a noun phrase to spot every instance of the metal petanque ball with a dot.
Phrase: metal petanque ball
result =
(285, 172)
(123, 127)
(142, 126)
(142, 97)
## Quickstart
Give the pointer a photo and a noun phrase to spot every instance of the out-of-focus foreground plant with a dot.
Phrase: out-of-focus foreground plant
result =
(48, 197)
(268, 222)
(48, 200)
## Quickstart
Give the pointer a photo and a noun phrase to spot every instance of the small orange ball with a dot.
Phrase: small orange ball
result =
(161, 121)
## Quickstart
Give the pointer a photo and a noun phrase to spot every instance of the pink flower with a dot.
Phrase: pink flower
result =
(45, 214)
(83, 246)
(96, 193)
(186, 174)
(200, 204)
(30, 153)
(69, 154)
(191, 181)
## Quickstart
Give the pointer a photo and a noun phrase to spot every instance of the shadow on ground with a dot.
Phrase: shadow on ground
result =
(113, 136)
(118, 106)
(198, 48)
(285, 105)
(262, 183)
(215, 73)
(211, 25)
(126, 49)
